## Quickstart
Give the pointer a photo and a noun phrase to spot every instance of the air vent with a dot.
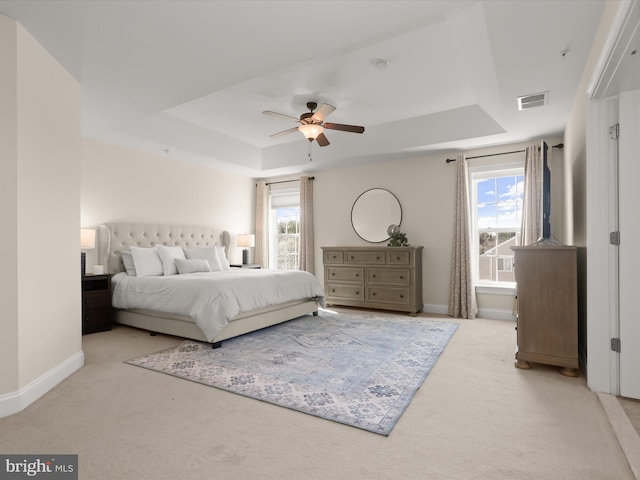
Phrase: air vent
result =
(532, 101)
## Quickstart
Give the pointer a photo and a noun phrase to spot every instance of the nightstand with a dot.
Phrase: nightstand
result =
(246, 265)
(96, 303)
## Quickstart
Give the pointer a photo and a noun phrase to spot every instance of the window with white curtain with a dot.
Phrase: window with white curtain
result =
(496, 193)
(284, 229)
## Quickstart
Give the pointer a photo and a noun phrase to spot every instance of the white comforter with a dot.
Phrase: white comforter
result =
(213, 299)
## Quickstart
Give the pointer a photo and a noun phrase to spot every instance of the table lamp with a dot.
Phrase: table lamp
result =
(246, 240)
(87, 242)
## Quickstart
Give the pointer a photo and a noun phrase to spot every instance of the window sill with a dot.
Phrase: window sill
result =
(506, 289)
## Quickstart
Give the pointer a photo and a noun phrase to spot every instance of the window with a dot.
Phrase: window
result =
(496, 210)
(284, 229)
(505, 264)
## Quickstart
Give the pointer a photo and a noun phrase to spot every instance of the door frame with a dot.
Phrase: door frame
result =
(603, 364)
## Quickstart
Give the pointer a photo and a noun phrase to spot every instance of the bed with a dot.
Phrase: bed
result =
(117, 239)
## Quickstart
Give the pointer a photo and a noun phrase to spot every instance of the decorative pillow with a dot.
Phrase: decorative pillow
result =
(205, 253)
(192, 266)
(168, 255)
(222, 258)
(146, 261)
(127, 261)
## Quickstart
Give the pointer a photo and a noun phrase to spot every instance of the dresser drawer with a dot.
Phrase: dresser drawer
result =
(345, 274)
(346, 292)
(333, 256)
(398, 258)
(396, 296)
(366, 258)
(96, 299)
(388, 276)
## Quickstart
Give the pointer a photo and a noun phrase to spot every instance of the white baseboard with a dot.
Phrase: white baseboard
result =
(491, 313)
(433, 308)
(15, 402)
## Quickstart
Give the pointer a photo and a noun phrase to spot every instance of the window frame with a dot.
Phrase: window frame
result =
(485, 169)
(289, 197)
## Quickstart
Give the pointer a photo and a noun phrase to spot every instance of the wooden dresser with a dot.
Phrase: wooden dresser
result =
(547, 306)
(387, 278)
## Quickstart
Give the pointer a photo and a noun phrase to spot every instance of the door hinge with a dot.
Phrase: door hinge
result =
(615, 344)
(614, 238)
(614, 131)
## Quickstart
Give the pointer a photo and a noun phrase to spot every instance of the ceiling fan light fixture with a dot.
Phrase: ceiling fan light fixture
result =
(311, 131)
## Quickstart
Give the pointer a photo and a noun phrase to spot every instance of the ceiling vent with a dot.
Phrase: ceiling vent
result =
(532, 101)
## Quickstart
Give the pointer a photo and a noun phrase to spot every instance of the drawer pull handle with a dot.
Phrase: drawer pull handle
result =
(377, 258)
(401, 296)
(397, 258)
(357, 275)
(333, 273)
(373, 276)
(374, 294)
(357, 293)
(401, 277)
(333, 290)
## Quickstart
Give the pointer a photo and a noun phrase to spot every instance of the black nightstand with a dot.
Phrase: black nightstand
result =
(246, 265)
(96, 303)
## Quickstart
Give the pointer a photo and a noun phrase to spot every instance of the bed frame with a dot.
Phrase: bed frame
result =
(113, 238)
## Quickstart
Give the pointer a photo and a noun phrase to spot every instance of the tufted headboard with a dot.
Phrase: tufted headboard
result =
(115, 237)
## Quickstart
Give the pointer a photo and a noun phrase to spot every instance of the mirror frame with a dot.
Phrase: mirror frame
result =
(384, 236)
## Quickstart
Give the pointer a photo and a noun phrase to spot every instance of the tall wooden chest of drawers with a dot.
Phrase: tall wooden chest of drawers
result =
(547, 306)
(386, 278)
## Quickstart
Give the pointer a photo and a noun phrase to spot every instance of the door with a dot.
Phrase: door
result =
(629, 250)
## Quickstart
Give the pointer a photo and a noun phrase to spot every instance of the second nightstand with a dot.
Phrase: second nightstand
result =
(96, 303)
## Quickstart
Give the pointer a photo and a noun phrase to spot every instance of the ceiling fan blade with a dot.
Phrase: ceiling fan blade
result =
(344, 128)
(322, 140)
(281, 115)
(284, 132)
(323, 112)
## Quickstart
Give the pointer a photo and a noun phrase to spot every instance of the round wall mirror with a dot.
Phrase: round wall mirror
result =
(373, 212)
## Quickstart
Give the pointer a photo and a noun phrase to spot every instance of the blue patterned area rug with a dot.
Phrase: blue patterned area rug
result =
(359, 369)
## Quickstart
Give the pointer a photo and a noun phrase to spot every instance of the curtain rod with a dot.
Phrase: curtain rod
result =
(287, 181)
(449, 160)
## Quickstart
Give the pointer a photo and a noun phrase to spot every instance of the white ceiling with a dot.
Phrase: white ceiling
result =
(193, 77)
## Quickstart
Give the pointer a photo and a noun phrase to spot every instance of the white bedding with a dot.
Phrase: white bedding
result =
(213, 299)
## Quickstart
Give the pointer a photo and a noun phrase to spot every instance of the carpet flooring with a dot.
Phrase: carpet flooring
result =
(359, 370)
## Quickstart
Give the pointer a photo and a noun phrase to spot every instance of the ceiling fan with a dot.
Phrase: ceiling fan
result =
(312, 123)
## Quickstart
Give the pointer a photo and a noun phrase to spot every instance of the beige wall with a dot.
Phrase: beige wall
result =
(425, 188)
(122, 185)
(40, 328)
(8, 204)
(576, 213)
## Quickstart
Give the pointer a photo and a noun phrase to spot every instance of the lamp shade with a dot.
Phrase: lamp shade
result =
(246, 240)
(310, 131)
(87, 238)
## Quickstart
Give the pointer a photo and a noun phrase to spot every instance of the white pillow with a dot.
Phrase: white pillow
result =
(147, 261)
(168, 255)
(192, 266)
(222, 258)
(205, 253)
(127, 261)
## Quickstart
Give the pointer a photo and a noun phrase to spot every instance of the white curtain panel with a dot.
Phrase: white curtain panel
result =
(261, 252)
(462, 295)
(305, 259)
(531, 230)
